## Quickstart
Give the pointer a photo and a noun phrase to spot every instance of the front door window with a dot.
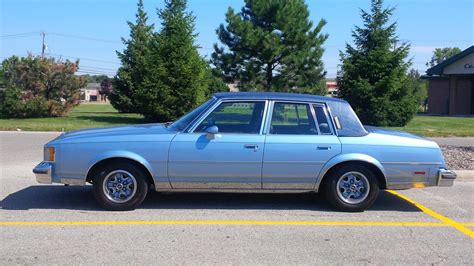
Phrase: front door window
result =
(235, 117)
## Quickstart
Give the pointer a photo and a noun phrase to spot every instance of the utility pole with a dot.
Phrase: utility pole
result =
(43, 46)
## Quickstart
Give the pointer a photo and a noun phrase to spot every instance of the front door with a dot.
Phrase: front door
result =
(230, 159)
(299, 142)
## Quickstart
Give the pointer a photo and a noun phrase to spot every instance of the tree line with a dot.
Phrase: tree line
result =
(269, 45)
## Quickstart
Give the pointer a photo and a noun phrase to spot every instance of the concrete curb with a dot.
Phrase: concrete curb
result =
(465, 175)
(29, 132)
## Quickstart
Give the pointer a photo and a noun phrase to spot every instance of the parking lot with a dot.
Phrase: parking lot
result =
(58, 224)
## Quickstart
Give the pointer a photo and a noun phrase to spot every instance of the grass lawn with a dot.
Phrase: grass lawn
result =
(440, 126)
(82, 116)
(102, 115)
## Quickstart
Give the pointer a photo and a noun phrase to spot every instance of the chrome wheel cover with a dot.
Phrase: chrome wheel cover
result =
(353, 187)
(119, 186)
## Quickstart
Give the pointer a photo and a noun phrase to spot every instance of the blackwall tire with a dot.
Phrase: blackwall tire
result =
(351, 188)
(120, 186)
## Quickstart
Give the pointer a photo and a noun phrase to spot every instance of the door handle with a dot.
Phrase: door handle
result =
(251, 146)
(324, 147)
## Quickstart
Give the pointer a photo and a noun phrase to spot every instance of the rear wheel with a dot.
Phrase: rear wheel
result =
(120, 186)
(352, 187)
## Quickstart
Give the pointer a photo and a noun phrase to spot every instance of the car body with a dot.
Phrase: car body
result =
(251, 142)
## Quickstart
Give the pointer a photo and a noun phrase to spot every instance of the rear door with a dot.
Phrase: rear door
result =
(300, 140)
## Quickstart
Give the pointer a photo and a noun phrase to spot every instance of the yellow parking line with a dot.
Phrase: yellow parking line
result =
(228, 222)
(460, 227)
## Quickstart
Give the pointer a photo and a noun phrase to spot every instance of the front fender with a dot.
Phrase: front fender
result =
(119, 154)
(349, 157)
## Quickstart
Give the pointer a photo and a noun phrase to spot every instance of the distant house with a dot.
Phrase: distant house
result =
(91, 93)
(332, 88)
(451, 85)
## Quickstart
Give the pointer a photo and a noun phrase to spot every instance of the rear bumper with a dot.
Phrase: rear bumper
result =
(445, 178)
(43, 172)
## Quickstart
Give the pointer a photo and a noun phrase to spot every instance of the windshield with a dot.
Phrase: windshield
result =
(184, 121)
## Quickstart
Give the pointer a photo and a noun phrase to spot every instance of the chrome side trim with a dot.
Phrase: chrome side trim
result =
(414, 163)
(242, 190)
(300, 162)
(43, 173)
(213, 162)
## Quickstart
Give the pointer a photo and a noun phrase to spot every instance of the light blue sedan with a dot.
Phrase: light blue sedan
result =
(247, 142)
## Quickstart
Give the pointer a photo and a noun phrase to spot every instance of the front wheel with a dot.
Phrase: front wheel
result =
(120, 186)
(352, 187)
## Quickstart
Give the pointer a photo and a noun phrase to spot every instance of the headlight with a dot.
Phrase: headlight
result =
(49, 154)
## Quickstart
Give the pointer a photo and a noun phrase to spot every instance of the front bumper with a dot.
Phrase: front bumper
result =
(43, 173)
(446, 178)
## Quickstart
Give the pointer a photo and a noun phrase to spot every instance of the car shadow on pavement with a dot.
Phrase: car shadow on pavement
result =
(81, 198)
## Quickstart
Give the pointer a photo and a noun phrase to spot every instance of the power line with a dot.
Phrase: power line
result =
(83, 37)
(85, 59)
(95, 72)
(98, 68)
(18, 35)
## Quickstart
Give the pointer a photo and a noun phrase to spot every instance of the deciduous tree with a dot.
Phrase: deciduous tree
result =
(106, 88)
(39, 87)
(441, 54)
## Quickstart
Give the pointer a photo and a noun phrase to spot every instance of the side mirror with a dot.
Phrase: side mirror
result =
(211, 132)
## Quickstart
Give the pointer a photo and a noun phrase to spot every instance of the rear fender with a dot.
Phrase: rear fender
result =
(350, 157)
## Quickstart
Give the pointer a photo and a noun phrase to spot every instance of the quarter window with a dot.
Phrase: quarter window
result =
(235, 117)
(292, 118)
(322, 118)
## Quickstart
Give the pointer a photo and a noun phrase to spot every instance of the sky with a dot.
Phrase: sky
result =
(91, 30)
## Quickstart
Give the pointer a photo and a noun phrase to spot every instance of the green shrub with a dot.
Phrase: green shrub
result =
(15, 105)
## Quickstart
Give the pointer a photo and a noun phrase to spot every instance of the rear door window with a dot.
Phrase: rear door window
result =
(293, 119)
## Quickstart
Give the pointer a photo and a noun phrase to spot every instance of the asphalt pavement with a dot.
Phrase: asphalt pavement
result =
(55, 224)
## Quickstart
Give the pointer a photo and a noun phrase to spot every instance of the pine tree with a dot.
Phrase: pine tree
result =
(135, 60)
(271, 45)
(373, 77)
(179, 80)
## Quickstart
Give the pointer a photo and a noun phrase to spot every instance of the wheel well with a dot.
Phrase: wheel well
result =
(93, 170)
(378, 173)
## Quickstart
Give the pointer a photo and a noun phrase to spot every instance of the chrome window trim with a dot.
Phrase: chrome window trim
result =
(315, 119)
(331, 118)
(264, 117)
(204, 115)
(270, 117)
(326, 113)
(186, 129)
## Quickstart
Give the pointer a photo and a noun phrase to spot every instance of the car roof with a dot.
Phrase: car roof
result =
(275, 96)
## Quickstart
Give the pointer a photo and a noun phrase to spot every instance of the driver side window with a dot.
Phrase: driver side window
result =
(235, 117)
